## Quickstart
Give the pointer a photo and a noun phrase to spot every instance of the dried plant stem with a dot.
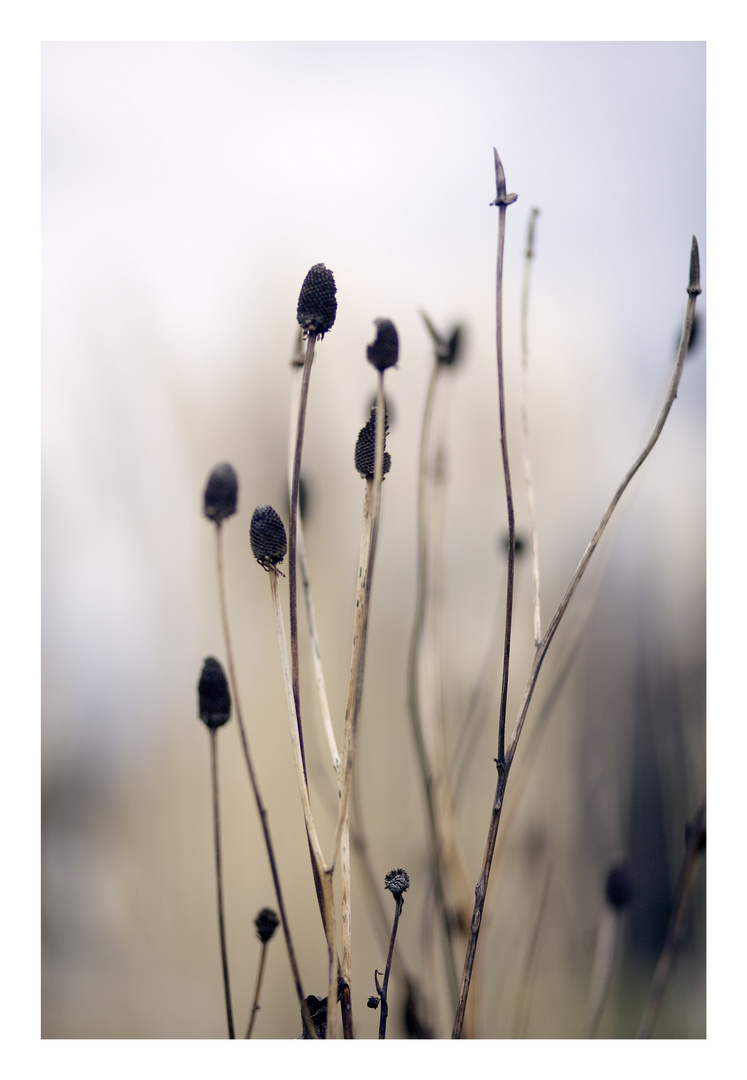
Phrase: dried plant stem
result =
(219, 880)
(504, 765)
(257, 991)
(502, 200)
(316, 652)
(413, 685)
(254, 784)
(688, 874)
(322, 873)
(529, 482)
(293, 534)
(384, 1007)
(602, 971)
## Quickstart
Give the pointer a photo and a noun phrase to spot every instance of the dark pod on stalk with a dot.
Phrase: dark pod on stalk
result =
(267, 537)
(221, 493)
(214, 697)
(383, 352)
(365, 447)
(317, 301)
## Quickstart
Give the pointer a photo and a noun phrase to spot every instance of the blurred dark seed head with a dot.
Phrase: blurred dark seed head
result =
(318, 1012)
(304, 501)
(383, 352)
(214, 698)
(519, 544)
(221, 493)
(373, 1002)
(267, 923)
(267, 537)
(317, 301)
(365, 447)
(618, 889)
(448, 351)
(397, 882)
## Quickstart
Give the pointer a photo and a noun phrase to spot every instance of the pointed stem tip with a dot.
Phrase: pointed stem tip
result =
(501, 198)
(693, 289)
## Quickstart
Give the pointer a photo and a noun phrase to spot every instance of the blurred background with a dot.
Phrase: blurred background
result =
(186, 191)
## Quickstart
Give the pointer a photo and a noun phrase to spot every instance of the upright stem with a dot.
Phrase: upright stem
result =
(219, 879)
(525, 427)
(257, 989)
(292, 535)
(384, 1010)
(255, 786)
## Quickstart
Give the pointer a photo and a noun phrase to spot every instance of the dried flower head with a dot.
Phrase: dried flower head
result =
(383, 352)
(213, 694)
(373, 1002)
(365, 447)
(618, 889)
(317, 301)
(397, 881)
(267, 537)
(221, 493)
(267, 923)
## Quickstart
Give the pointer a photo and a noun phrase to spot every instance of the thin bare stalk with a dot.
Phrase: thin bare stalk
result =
(254, 784)
(688, 874)
(293, 535)
(219, 880)
(413, 684)
(601, 975)
(529, 482)
(322, 873)
(384, 1007)
(257, 991)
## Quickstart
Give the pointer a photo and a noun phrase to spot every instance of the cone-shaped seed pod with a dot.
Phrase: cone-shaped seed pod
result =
(397, 881)
(384, 351)
(365, 447)
(267, 923)
(213, 694)
(618, 889)
(267, 536)
(317, 301)
(221, 493)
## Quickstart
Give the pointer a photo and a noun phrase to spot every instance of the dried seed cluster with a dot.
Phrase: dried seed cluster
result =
(383, 352)
(267, 923)
(213, 694)
(365, 447)
(317, 301)
(221, 493)
(397, 881)
(267, 537)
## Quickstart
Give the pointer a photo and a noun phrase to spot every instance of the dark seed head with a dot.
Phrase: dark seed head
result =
(317, 301)
(221, 493)
(383, 352)
(365, 447)
(618, 889)
(267, 923)
(373, 1002)
(213, 694)
(267, 536)
(397, 881)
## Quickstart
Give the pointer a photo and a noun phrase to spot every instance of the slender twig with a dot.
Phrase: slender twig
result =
(253, 781)
(257, 989)
(688, 874)
(601, 975)
(413, 680)
(219, 880)
(322, 873)
(525, 426)
(398, 882)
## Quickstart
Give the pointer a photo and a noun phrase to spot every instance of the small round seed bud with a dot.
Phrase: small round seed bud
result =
(267, 923)
(213, 694)
(267, 537)
(373, 1002)
(365, 447)
(383, 352)
(221, 493)
(317, 301)
(618, 889)
(397, 881)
